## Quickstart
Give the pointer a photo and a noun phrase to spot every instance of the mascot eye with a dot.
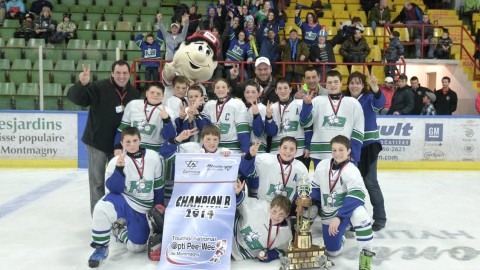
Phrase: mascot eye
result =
(208, 52)
(200, 48)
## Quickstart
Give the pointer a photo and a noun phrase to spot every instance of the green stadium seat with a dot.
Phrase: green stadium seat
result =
(131, 10)
(142, 27)
(7, 96)
(94, 17)
(97, 44)
(14, 47)
(104, 2)
(67, 104)
(20, 71)
(105, 30)
(113, 44)
(121, 3)
(104, 69)
(100, 9)
(77, 17)
(114, 9)
(85, 30)
(27, 97)
(2, 42)
(11, 23)
(123, 30)
(4, 68)
(64, 72)
(156, 4)
(136, 3)
(47, 70)
(31, 52)
(52, 96)
(130, 18)
(76, 50)
(93, 67)
(96, 50)
(69, 2)
(112, 17)
(54, 54)
(132, 52)
(111, 49)
(61, 8)
(146, 13)
(78, 9)
(77, 44)
(8, 29)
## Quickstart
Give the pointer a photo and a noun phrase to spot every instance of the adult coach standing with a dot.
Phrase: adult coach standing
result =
(107, 100)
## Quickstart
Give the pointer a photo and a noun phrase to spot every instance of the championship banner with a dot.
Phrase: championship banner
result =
(199, 219)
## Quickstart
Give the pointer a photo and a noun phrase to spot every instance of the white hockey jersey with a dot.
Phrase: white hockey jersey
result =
(148, 121)
(288, 123)
(232, 121)
(262, 109)
(252, 228)
(349, 122)
(175, 104)
(139, 191)
(349, 184)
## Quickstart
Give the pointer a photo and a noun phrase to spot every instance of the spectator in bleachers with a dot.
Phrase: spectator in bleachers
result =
(367, 5)
(322, 51)
(249, 26)
(271, 23)
(107, 100)
(45, 25)
(355, 49)
(446, 102)
(294, 50)
(260, 14)
(393, 53)
(239, 51)
(418, 91)
(428, 100)
(3, 11)
(402, 100)
(388, 89)
(66, 30)
(410, 14)
(379, 15)
(27, 29)
(309, 27)
(444, 45)
(212, 19)
(346, 30)
(179, 10)
(194, 19)
(268, 49)
(15, 10)
(151, 50)
(424, 34)
(312, 84)
(174, 38)
(37, 6)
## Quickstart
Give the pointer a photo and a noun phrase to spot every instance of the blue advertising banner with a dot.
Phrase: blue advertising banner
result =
(199, 218)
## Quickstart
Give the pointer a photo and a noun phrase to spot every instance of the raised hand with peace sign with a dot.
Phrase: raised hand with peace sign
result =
(84, 76)
(308, 98)
(269, 110)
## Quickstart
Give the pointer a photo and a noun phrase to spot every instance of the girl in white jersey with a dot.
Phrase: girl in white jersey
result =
(256, 115)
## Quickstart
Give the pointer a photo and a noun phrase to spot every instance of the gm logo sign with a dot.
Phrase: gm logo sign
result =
(433, 132)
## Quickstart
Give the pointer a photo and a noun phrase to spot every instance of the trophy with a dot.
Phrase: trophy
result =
(301, 253)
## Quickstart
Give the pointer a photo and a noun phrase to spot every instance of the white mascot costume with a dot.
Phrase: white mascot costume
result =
(195, 59)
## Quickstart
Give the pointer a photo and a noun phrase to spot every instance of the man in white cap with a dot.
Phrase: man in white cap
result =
(388, 89)
(264, 79)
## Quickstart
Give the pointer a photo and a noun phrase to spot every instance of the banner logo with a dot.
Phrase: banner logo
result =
(433, 132)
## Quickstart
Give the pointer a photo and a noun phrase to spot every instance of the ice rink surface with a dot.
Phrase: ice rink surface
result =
(433, 223)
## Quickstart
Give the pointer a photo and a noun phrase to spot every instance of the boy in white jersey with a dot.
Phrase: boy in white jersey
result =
(135, 184)
(332, 115)
(256, 114)
(261, 229)
(151, 117)
(285, 120)
(195, 116)
(269, 175)
(339, 190)
(177, 103)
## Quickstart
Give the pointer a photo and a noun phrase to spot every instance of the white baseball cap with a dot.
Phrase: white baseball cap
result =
(261, 60)
(389, 79)
(175, 24)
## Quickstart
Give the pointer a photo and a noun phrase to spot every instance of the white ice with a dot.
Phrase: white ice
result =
(433, 223)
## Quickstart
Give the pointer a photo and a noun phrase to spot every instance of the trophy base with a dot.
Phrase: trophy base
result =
(306, 258)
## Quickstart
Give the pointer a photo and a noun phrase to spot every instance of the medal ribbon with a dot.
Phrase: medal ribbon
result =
(335, 111)
(285, 180)
(122, 97)
(219, 111)
(282, 113)
(269, 244)
(330, 176)
(139, 170)
(151, 113)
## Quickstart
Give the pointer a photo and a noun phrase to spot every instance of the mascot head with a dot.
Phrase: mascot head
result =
(196, 58)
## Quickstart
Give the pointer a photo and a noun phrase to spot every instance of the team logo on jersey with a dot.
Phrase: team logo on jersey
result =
(150, 53)
(288, 125)
(144, 127)
(333, 199)
(334, 121)
(141, 186)
(251, 238)
(279, 189)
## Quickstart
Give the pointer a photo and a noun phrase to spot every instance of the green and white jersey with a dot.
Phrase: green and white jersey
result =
(348, 121)
(139, 191)
(231, 119)
(349, 184)
(252, 228)
(147, 119)
(287, 118)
